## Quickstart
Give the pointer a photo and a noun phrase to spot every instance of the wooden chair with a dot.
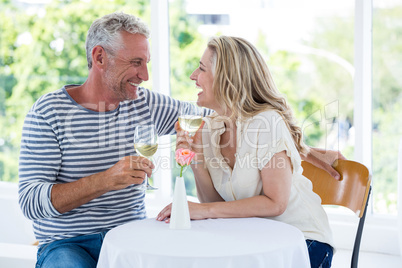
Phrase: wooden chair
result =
(351, 191)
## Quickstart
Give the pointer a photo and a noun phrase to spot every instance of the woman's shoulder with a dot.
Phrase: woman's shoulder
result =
(211, 119)
(265, 118)
(212, 116)
(268, 114)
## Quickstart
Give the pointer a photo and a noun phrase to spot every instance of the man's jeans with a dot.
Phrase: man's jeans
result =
(81, 251)
(320, 254)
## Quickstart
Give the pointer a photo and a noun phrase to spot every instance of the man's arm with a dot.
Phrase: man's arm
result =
(129, 170)
(42, 196)
(323, 159)
(39, 164)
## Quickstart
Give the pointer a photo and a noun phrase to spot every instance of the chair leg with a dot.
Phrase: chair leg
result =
(356, 247)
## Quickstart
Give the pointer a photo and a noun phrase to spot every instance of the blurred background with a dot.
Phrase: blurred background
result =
(308, 45)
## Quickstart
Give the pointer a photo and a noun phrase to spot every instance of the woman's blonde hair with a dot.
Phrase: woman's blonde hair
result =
(243, 83)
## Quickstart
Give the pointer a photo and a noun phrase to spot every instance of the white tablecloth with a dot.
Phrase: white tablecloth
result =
(247, 242)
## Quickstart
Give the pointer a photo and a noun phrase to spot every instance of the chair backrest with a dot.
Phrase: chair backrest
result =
(351, 191)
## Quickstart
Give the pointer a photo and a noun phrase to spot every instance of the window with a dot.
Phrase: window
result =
(309, 47)
(213, 19)
(387, 104)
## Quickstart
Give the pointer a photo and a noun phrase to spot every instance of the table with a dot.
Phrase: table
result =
(243, 242)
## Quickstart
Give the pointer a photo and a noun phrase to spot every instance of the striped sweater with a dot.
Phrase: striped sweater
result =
(63, 142)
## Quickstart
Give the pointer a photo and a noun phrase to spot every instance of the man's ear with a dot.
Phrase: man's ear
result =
(99, 57)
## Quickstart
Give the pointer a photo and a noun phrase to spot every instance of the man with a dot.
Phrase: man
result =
(78, 170)
(77, 164)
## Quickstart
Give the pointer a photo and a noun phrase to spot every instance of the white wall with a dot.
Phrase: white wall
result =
(16, 234)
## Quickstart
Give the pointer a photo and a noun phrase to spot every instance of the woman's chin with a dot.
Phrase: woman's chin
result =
(201, 104)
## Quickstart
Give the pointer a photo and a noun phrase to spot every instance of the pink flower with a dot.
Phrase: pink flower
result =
(184, 156)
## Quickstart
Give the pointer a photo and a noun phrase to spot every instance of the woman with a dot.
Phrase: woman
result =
(247, 160)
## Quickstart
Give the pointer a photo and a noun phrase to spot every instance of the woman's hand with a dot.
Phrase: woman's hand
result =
(183, 140)
(197, 212)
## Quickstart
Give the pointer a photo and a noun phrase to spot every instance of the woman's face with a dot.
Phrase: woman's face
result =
(204, 79)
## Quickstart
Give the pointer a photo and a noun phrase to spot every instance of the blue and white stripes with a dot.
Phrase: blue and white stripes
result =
(63, 142)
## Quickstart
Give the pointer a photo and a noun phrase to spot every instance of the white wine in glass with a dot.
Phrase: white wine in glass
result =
(190, 117)
(146, 150)
(146, 144)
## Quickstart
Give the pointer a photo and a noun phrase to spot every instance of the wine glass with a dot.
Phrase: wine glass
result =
(146, 144)
(190, 117)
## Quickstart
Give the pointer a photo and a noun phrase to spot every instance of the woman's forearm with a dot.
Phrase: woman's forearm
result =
(205, 188)
(256, 206)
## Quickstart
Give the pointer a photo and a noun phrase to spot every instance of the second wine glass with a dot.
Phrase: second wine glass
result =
(190, 117)
(146, 144)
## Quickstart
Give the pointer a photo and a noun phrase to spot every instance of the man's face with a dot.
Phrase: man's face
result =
(128, 68)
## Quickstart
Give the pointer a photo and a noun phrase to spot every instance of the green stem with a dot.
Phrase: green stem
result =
(181, 171)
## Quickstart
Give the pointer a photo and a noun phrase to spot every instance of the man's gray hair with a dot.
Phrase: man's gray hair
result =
(106, 32)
